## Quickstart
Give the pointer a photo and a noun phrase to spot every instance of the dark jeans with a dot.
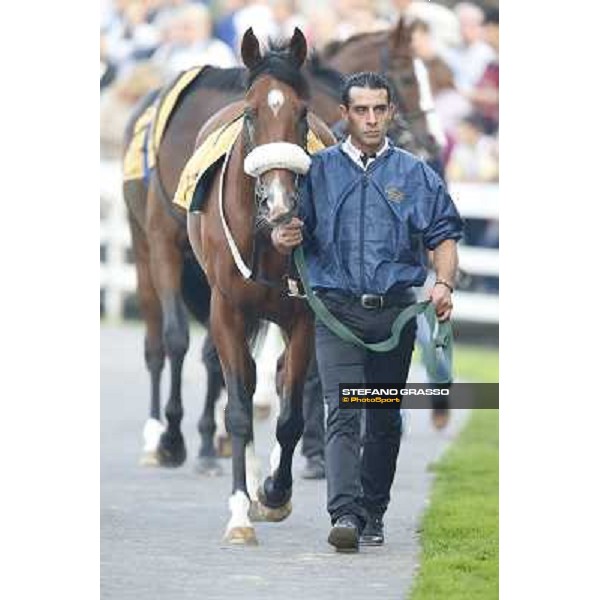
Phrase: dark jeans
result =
(360, 485)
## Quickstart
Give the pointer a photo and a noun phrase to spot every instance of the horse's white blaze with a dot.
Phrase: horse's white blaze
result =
(277, 203)
(426, 102)
(252, 472)
(275, 457)
(239, 506)
(275, 99)
(153, 429)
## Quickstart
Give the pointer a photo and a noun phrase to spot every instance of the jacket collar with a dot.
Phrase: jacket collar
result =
(354, 153)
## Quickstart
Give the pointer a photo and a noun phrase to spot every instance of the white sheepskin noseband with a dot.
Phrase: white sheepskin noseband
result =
(277, 155)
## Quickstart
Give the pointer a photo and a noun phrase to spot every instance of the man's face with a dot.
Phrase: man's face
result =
(368, 116)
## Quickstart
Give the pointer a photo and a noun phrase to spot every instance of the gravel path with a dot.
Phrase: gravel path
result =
(161, 529)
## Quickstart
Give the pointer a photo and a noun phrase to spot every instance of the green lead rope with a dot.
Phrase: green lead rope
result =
(438, 342)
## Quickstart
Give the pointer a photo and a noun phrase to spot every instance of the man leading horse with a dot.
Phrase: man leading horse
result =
(365, 208)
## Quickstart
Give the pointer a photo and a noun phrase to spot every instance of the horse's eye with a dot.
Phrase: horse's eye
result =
(408, 80)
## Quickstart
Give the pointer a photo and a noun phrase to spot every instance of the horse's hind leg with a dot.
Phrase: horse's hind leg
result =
(276, 491)
(229, 333)
(166, 263)
(154, 351)
(207, 463)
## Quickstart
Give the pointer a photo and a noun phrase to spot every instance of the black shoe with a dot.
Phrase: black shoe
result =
(372, 534)
(315, 468)
(344, 534)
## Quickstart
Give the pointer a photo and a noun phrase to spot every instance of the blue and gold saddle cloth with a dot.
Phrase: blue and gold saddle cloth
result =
(140, 156)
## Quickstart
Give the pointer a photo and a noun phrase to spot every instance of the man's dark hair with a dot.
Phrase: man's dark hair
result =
(492, 17)
(367, 79)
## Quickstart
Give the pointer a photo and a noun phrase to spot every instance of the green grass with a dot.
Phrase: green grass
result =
(472, 363)
(459, 533)
(477, 364)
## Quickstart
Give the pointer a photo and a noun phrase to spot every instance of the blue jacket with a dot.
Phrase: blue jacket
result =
(364, 230)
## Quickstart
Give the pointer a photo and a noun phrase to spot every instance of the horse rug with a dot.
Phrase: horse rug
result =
(198, 173)
(140, 155)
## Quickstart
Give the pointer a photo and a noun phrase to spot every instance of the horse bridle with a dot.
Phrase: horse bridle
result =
(260, 188)
(405, 118)
(286, 285)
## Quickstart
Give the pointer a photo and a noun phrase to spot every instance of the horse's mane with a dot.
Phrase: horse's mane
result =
(333, 48)
(232, 79)
(333, 80)
(277, 63)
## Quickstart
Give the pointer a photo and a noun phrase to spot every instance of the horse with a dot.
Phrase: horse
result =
(415, 127)
(168, 277)
(257, 185)
(169, 280)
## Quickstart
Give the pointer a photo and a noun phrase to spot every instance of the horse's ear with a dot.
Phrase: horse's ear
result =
(250, 49)
(402, 33)
(298, 47)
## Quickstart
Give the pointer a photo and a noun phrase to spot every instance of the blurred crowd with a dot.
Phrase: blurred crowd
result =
(143, 43)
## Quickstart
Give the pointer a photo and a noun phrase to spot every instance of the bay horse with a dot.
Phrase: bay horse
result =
(415, 127)
(257, 185)
(169, 280)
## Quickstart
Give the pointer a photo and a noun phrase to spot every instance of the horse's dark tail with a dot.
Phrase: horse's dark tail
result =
(195, 290)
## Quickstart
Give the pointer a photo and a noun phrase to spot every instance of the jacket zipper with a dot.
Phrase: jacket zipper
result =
(362, 233)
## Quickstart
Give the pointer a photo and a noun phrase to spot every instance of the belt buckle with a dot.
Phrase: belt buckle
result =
(371, 301)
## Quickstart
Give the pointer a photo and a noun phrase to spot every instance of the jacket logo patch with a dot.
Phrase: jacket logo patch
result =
(394, 194)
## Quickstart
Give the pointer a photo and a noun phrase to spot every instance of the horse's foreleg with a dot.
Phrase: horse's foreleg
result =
(276, 491)
(207, 463)
(229, 333)
(166, 261)
(154, 352)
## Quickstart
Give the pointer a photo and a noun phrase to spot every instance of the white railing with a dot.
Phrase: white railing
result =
(117, 276)
(477, 201)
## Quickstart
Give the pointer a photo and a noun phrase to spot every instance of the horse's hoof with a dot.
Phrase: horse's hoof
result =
(259, 512)
(208, 465)
(440, 418)
(261, 411)
(150, 459)
(241, 536)
(273, 498)
(171, 450)
(224, 449)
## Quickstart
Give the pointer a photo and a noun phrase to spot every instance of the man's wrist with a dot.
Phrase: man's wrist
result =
(440, 281)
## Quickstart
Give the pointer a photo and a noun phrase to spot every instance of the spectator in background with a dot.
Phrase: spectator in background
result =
(442, 22)
(188, 31)
(469, 60)
(118, 101)
(225, 29)
(287, 17)
(258, 15)
(322, 21)
(128, 34)
(450, 105)
(108, 69)
(357, 16)
(485, 96)
(474, 157)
